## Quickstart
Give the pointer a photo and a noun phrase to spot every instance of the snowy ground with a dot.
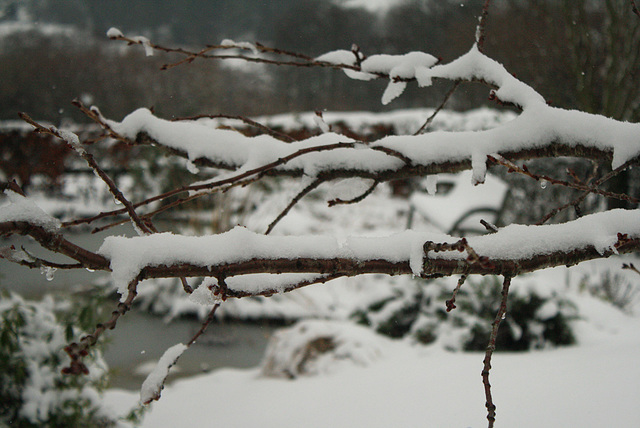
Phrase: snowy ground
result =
(593, 384)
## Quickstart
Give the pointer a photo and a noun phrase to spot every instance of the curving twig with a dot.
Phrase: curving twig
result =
(502, 311)
(427, 123)
(270, 131)
(524, 170)
(355, 200)
(314, 184)
(77, 351)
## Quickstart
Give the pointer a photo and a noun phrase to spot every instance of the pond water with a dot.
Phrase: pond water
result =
(140, 338)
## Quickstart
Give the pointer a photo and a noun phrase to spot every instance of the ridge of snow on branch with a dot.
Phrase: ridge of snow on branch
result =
(153, 384)
(23, 209)
(129, 256)
(399, 68)
(537, 127)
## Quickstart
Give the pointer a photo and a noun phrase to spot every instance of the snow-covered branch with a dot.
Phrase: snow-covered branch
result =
(539, 131)
(241, 263)
(511, 251)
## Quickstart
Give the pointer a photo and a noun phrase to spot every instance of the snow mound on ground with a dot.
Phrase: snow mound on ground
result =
(315, 347)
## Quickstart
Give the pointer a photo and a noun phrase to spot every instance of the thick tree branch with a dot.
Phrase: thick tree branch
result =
(56, 243)
(436, 265)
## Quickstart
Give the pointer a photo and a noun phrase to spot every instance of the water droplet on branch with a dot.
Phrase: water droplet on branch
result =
(48, 272)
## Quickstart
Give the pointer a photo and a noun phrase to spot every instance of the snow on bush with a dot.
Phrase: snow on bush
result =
(33, 390)
(314, 347)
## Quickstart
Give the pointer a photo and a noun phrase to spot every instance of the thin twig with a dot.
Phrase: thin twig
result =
(204, 325)
(77, 351)
(563, 207)
(13, 186)
(94, 114)
(430, 119)
(258, 171)
(190, 56)
(146, 226)
(634, 8)
(580, 198)
(392, 152)
(524, 170)
(451, 303)
(185, 285)
(148, 216)
(88, 157)
(320, 279)
(355, 200)
(491, 228)
(502, 311)
(315, 183)
(630, 266)
(251, 122)
(482, 23)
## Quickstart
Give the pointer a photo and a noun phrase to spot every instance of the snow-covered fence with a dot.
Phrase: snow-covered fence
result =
(233, 159)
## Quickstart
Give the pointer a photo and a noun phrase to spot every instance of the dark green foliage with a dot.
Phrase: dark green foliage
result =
(393, 317)
(418, 310)
(527, 324)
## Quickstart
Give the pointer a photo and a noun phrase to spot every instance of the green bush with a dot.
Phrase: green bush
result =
(533, 320)
(33, 391)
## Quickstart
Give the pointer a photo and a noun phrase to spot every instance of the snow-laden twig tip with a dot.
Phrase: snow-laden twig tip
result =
(114, 33)
(154, 383)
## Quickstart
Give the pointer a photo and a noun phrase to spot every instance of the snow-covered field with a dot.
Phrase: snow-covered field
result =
(595, 383)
